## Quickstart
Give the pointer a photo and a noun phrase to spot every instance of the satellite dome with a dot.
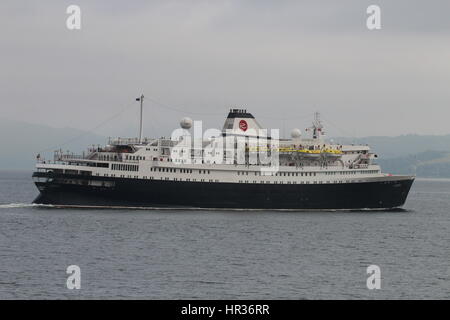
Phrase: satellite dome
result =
(296, 133)
(186, 123)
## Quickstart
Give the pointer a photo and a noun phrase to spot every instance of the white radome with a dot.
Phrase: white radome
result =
(186, 123)
(296, 133)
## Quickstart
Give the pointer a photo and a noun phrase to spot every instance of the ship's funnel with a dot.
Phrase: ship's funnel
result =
(240, 122)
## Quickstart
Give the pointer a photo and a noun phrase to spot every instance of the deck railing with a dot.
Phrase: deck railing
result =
(128, 141)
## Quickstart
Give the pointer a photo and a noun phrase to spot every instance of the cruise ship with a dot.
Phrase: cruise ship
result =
(242, 166)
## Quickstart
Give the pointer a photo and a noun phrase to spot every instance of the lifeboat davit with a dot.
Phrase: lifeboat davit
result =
(332, 154)
(310, 154)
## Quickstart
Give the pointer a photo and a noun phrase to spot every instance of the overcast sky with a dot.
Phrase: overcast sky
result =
(279, 59)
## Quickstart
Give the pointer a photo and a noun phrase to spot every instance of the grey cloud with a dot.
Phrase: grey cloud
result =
(277, 58)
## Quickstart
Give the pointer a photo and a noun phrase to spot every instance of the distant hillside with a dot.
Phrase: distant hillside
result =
(391, 147)
(426, 156)
(20, 142)
(432, 164)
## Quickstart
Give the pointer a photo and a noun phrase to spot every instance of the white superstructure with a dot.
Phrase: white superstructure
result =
(300, 160)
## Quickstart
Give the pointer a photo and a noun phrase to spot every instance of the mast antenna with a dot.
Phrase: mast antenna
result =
(141, 99)
(317, 127)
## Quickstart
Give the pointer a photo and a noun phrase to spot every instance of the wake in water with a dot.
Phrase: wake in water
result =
(22, 205)
(34, 205)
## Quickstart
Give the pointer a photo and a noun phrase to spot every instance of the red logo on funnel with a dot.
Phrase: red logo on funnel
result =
(243, 125)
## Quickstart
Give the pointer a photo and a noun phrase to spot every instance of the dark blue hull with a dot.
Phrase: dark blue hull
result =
(66, 190)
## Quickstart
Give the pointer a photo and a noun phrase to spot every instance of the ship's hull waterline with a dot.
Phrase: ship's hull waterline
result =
(387, 193)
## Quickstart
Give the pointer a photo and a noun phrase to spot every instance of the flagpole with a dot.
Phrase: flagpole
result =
(140, 123)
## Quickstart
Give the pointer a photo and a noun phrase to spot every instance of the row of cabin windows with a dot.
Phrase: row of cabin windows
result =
(163, 169)
(107, 157)
(311, 174)
(330, 173)
(240, 181)
(174, 170)
(299, 182)
(188, 180)
(131, 167)
(279, 174)
(283, 182)
(127, 157)
(125, 167)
